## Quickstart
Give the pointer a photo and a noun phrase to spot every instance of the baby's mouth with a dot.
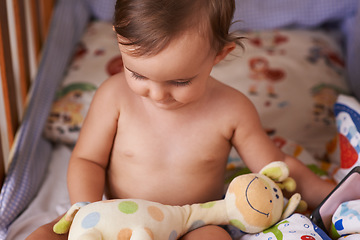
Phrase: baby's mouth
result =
(166, 101)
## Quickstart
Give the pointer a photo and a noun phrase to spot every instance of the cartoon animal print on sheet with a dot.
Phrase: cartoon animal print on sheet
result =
(271, 42)
(347, 111)
(296, 226)
(299, 111)
(324, 97)
(346, 219)
(322, 51)
(68, 112)
(115, 65)
(262, 73)
(80, 52)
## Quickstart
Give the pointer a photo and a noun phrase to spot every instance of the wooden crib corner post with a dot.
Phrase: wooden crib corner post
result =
(7, 76)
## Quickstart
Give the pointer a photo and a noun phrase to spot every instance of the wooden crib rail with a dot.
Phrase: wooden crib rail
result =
(23, 29)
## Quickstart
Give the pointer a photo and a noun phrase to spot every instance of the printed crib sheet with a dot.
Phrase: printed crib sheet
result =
(346, 220)
(296, 226)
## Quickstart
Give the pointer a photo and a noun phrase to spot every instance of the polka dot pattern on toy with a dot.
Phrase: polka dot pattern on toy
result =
(197, 224)
(173, 235)
(91, 220)
(124, 234)
(151, 234)
(237, 224)
(208, 204)
(156, 213)
(128, 207)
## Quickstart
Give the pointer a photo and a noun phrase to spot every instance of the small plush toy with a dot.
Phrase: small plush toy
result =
(252, 203)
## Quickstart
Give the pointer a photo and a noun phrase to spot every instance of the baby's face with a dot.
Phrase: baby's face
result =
(175, 77)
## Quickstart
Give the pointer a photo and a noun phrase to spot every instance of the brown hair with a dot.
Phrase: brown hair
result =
(150, 25)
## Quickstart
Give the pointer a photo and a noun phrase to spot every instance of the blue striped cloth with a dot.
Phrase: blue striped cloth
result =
(32, 151)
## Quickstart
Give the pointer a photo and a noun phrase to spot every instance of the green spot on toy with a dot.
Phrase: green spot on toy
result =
(208, 205)
(237, 224)
(128, 207)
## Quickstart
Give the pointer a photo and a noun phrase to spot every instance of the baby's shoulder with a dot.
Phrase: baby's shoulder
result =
(112, 90)
(114, 86)
(233, 103)
(114, 83)
(230, 96)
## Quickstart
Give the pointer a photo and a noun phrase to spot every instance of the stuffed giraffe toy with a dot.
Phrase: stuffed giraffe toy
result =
(253, 203)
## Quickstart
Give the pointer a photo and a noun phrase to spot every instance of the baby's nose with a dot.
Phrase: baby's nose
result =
(158, 92)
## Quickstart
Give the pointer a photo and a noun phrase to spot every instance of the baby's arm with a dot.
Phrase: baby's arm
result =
(257, 150)
(86, 173)
(88, 162)
(312, 188)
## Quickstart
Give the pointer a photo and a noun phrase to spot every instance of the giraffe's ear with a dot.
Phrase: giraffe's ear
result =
(288, 184)
(292, 205)
(276, 171)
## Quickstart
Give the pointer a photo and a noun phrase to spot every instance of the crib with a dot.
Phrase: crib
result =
(309, 53)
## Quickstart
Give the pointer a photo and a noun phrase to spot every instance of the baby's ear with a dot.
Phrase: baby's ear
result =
(224, 52)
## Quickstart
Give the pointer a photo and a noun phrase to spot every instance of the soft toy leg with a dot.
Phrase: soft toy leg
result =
(91, 234)
(141, 234)
(64, 224)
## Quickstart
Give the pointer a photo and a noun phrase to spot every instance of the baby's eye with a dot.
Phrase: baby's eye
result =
(137, 76)
(181, 83)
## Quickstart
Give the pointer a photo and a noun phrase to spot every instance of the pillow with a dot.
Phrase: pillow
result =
(96, 58)
(292, 77)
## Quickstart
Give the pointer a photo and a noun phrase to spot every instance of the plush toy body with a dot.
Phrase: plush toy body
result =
(253, 203)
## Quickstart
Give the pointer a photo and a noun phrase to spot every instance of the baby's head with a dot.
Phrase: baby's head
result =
(148, 26)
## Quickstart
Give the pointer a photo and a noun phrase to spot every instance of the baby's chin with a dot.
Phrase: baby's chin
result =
(170, 104)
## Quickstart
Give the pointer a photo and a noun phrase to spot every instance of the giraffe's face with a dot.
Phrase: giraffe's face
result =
(257, 202)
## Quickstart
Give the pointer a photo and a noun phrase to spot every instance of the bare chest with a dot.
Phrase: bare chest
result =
(184, 143)
(157, 161)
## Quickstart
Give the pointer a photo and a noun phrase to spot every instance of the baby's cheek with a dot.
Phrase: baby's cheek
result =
(138, 88)
(188, 94)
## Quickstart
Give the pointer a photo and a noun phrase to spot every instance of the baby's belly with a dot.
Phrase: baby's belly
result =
(174, 185)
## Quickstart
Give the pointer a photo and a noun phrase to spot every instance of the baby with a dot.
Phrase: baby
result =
(162, 129)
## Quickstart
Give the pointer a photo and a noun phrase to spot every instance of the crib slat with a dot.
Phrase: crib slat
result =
(41, 12)
(23, 51)
(46, 13)
(2, 166)
(15, 85)
(7, 75)
(35, 17)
